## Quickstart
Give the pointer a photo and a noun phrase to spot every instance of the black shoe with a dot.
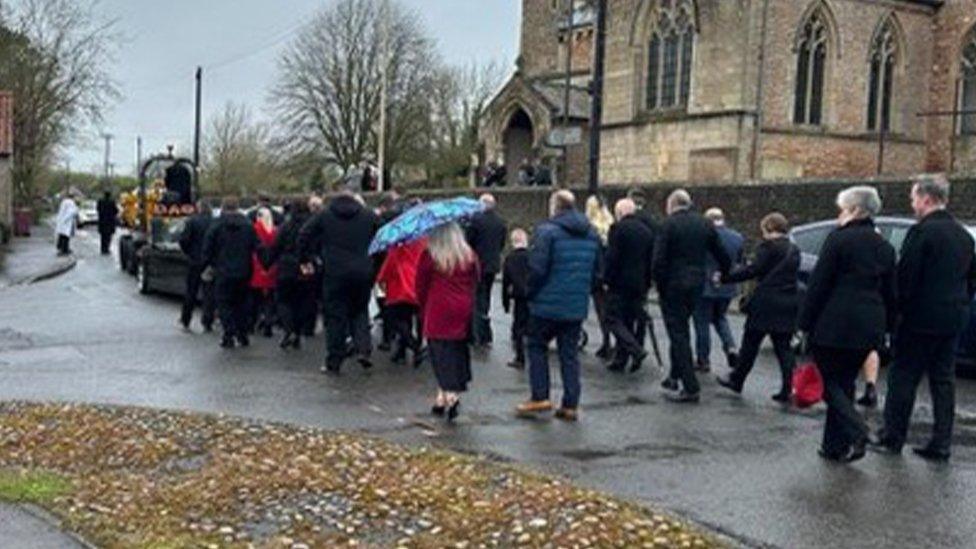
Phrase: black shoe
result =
(932, 453)
(296, 342)
(729, 383)
(227, 342)
(287, 340)
(268, 331)
(829, 456)
(733, 359)
(604, 352)
(185, 324)
(638, 361)
(330, 368)
(208, 328)
(616, 367)
(244, 340)
(884, 447)
(399, 359)
(438, 410)
(365, 362)
(783, 397)
(683, 397)
(516, 364)
(857, 451)
(870, 397)
(453, 410)
(670, 384)
(384, 346)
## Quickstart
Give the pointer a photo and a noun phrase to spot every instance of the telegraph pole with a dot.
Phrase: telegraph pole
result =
(196, 134)
(596, 112)
(108, 153)
(138, 155)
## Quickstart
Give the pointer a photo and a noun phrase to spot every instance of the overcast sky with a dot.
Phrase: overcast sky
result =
(238, 42)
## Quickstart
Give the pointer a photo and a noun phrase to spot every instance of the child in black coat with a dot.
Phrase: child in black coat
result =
(515, 289)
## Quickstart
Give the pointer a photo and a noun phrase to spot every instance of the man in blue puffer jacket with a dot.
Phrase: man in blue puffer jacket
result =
(562, 262)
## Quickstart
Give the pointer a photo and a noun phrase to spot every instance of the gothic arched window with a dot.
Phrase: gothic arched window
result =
(968, 92)
(884, 56)
(670, 52)
(811, 65)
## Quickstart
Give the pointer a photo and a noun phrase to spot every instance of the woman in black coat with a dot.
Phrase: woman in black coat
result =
(295, 289)
(850, 306)
(773, 306)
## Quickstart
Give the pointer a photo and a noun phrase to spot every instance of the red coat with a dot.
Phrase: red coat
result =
(261, 278)
(446, 300)
(399, 272)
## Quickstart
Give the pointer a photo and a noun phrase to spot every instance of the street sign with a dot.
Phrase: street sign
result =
(564, 137)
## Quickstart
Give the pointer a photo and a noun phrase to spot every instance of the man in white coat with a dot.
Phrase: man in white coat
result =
(67, 221)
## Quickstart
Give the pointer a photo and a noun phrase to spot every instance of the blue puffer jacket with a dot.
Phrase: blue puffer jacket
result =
(563, 262)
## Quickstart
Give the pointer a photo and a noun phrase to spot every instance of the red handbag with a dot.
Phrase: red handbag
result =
(807, 385)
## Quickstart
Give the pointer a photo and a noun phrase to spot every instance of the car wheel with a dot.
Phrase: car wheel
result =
(142, 277)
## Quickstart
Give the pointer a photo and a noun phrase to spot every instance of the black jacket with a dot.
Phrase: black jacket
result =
(486, 233)
(230, 245)
(285, 252)
(340, 236)
(850, 302)
(774, 303)
(194, 234)
(630, 248)
(515, 277)
(681, 252)
(108, 214)
(936, 276)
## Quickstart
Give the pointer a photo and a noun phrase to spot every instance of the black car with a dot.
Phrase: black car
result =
(811, 237)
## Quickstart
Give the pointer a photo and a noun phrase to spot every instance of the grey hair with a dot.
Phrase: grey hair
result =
(488, 200)
(679, 200)
(863, 199)
(934, 186)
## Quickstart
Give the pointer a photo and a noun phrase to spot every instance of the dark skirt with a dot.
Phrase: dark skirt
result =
(452, 364)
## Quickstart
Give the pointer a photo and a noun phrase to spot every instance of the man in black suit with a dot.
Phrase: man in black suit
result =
(644, 324)
(936, 281)
(680, 270)
(229, 249)
(628, 277)
(191, 242)
(108, 214)
(486, 234)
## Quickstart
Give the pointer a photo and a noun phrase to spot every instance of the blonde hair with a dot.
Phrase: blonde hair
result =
(449, 249)
(599, 216)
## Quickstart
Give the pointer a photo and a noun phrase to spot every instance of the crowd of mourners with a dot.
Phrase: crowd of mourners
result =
(279, 271)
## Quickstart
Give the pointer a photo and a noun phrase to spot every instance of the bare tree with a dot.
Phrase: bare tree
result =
(328, 97)
(237, 158)
(53, 57)
(459, 100)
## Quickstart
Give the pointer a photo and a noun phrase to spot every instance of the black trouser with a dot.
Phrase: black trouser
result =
(262, 309)
(751, 340)
(622, 315)
(310, 312)
(481, 323)
(678, 305)
(295, 297)
(404, 321)
(346, 310)
(64, 244)
(839, 369)
(106, 242)
(917, 355)
(232, 300)
(195, 289)
(386, 320)
(520, 328)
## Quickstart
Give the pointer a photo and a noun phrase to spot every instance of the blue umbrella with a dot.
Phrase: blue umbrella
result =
(420, 220)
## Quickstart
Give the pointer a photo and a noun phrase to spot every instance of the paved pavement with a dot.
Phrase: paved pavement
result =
(744, 466)
(31, 259)
(20, 529)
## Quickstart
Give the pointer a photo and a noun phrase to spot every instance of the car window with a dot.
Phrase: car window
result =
(811, 240)
(167, 231)
(895, 235)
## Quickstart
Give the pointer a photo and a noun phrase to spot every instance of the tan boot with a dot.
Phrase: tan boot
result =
(533, 407)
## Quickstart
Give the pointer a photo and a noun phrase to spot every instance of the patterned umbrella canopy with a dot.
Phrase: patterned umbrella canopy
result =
(421, 220)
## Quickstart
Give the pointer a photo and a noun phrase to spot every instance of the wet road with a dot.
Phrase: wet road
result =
(740, 465)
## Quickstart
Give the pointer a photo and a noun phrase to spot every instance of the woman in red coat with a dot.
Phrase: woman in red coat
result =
(263, 279)
(447, 277)
(398, 278)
